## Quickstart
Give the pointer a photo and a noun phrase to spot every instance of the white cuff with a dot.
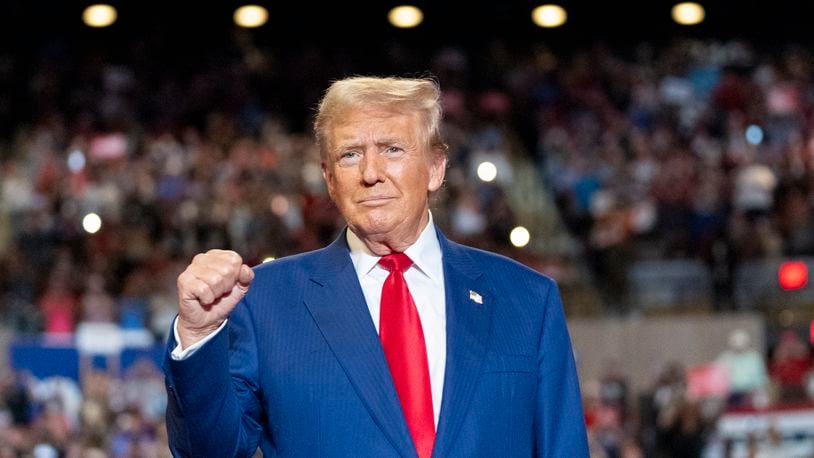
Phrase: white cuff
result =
(179, 354)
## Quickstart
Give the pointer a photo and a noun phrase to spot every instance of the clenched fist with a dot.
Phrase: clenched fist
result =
(208, 290)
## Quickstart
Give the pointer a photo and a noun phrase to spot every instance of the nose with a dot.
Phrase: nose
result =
(372, 168)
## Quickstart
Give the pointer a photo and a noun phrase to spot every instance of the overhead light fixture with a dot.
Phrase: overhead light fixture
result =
(688, 13)
(405, 16)
(549, 16)
(251, 16)
(99, 15)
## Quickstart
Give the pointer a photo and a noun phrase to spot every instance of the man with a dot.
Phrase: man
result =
(391, 341)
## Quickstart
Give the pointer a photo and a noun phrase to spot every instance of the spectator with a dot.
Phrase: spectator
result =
(745, 368)
(789, 367)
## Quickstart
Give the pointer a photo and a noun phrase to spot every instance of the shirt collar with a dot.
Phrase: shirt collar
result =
(425, 253)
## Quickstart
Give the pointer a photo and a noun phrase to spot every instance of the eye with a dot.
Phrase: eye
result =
(393, 150)
(349, 157)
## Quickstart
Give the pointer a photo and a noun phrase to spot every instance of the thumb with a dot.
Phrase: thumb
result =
(245, 276)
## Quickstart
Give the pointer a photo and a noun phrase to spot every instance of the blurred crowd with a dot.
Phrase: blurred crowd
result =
(682, 411)
(104, 416)
(698, 150)
(114, 172)
(120, 178)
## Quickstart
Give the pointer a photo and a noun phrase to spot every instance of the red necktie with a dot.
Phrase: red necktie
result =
(406, 353)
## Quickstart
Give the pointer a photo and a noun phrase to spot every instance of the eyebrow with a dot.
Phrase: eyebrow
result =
(348, 145)
(355, 144)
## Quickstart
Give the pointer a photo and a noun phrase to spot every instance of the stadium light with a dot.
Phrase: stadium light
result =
(91, 223)
(251, 16)
(99, 15)
(519, 236)
(549, 16)
(688, 13)
(487, 171)
(405, 16)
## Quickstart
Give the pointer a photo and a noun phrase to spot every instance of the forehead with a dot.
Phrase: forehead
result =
(362, 125)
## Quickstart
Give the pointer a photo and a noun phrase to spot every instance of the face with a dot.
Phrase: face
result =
(379, 173)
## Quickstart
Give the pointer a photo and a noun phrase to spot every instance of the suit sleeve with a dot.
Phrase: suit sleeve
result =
(559, 421)
(213, 406)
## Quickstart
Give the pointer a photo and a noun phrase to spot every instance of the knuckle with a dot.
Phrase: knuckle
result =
(202, 291)
(215, 278)
(235, 258)
(184, 280)
(224, 270)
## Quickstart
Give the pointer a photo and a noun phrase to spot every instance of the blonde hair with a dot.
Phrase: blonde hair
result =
(401, 95)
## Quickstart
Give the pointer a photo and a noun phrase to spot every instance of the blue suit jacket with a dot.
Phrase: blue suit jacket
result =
(299, 369)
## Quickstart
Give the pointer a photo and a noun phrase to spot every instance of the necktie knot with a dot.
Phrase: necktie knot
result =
(396, 262)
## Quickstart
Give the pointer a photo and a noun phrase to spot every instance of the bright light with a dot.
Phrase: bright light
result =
(268, 259)
(688, 13)
(251, 16)
(754, 134)
(549, 16)
(487, 171)
(99, 15)
(76, 161)
(792, 275)
(91, 223)
(405, 16)
(519, 236)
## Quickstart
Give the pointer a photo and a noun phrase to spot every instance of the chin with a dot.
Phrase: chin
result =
(374, 223)
(373, 229)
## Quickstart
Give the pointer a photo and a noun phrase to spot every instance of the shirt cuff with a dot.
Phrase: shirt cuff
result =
(179, 354)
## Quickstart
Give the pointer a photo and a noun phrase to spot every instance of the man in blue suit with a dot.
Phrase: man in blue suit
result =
(392, 341)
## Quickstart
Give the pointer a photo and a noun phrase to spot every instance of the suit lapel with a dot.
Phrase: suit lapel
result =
(338, 307)
(468, 324)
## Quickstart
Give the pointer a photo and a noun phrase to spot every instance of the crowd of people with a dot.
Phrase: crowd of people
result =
(698, 150)
(679, 413)
(107, 415)
(701, 150)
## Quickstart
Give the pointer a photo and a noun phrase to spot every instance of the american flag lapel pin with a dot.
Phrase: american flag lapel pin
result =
(473, 296)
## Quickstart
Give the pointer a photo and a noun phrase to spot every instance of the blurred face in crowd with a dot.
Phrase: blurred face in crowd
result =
(379, 171)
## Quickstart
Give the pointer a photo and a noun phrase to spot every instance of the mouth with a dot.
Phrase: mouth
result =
(375, 201)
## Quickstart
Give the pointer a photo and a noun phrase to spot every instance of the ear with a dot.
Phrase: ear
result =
(438, 169)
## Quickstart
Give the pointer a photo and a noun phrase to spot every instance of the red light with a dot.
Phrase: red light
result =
(811, 333)
(792, 275)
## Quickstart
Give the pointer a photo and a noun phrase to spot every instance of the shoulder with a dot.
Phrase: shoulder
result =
(286, 272)
(306, 260)
(497, 265)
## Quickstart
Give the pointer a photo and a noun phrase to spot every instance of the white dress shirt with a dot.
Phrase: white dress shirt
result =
(425, 280)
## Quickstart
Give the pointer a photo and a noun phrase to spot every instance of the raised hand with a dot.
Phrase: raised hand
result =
(208, 290)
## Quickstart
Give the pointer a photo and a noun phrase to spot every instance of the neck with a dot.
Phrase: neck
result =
(385, 247)
(394, 241)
